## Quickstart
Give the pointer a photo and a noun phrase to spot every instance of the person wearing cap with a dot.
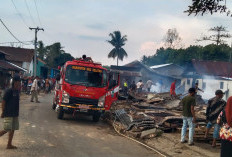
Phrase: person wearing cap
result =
(10, 111)
(189, 117)
(214, 108)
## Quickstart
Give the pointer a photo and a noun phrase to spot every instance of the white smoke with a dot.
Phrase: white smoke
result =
(211, 85)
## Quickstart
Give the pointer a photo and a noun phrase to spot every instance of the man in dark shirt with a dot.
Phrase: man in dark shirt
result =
(189, 118)
(10, 110)
(214, 108)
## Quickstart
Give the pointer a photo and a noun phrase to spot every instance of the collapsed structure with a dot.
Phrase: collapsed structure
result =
(148, 115)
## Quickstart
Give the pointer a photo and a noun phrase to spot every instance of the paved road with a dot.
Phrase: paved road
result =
(41, 134)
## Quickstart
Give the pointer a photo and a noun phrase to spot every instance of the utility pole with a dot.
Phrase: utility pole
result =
(35, 42)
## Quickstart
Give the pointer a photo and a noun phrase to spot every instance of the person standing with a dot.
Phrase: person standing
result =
(125, 87)
(189, 117)
(34, 90)
(226, 130)
(133, 87)
(10, 111)
(172, 89)
(197, 88)
(149, 84)
(47, 85)
(214, 108)
(139, 86)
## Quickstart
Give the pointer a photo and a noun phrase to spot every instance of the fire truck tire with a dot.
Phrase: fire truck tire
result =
(60, 113)
(96, 116)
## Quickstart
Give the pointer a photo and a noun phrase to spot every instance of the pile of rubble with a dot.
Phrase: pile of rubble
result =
(148, 115)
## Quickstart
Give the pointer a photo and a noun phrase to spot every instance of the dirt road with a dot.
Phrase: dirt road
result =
(41, 134)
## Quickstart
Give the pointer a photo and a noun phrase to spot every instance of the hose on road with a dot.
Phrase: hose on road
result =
(153, 149)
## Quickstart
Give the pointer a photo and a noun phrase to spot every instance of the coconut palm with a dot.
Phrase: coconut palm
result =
(117, 41)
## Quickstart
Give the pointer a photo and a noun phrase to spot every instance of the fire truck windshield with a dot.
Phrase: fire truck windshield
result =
(91, 77)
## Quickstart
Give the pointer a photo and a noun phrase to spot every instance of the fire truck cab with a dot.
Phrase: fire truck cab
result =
(85, 87)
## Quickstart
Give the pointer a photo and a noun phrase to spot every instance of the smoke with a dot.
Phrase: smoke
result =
(209, 85)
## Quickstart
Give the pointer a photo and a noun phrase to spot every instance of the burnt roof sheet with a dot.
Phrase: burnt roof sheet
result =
(215, 68)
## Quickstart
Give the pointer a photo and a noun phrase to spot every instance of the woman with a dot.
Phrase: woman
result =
(226, 131)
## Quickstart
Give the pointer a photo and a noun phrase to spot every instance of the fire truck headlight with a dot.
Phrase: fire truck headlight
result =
(65, 97)
(101, 101)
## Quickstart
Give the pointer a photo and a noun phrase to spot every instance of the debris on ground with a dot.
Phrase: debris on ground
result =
(148, 115)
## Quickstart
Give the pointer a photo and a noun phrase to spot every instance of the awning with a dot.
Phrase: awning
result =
(10, 66)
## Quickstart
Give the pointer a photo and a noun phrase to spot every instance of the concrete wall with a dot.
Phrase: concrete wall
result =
(31, 68)
(211, 85)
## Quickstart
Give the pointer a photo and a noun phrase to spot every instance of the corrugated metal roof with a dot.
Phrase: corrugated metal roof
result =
(17, 54)
(159, 66)
(9, 66)
(215, 68)
(125, 68)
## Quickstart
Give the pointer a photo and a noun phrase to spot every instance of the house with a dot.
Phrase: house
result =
(210, 75)
(19, 56)
(42, 69)
(158, 74)
(7, 69)
(127, 73)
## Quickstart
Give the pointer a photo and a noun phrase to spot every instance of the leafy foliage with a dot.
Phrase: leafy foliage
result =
(208, 6)
(117, 40)
(53, 55)
(181, 56)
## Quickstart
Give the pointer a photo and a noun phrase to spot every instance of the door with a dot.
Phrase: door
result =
(112, 92)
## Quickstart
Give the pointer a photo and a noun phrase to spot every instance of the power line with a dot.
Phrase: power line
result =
(16, 42)
(12, 33)
(37, 12)
(20, 15)
(28, 9)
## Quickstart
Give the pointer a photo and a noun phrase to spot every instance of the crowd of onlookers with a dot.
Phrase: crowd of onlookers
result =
(44, 85)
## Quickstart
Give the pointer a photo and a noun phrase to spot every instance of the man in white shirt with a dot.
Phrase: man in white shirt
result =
(139, 86)
(34, 90)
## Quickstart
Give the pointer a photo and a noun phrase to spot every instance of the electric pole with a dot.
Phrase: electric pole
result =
(35, 54)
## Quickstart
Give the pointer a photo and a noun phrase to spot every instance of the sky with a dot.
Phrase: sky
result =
(83, 26)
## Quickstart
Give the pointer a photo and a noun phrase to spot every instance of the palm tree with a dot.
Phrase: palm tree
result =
(117, 41)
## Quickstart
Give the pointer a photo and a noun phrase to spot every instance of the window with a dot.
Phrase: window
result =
(204, 85)
(91, 77)
(221, 85)
(188, 81)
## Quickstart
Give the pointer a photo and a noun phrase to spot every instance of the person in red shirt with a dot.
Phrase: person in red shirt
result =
(172, 89)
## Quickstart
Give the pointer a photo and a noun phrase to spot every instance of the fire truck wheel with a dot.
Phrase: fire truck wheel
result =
(96, 116)
(60, 113)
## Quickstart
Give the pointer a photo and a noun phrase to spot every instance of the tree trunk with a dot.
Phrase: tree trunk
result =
(117, 60)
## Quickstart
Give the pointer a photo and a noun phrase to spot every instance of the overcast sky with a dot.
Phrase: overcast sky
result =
(83, 26)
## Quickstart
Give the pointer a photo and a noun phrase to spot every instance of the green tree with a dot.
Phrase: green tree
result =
(53, 51)
(118, 41)
(180, 56)
(208, 6)
(62, 58)
(41, 50)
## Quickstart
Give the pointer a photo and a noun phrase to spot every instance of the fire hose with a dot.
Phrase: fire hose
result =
(153, 149)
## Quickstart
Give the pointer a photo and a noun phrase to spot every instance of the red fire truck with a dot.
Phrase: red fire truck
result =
(85, 87)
